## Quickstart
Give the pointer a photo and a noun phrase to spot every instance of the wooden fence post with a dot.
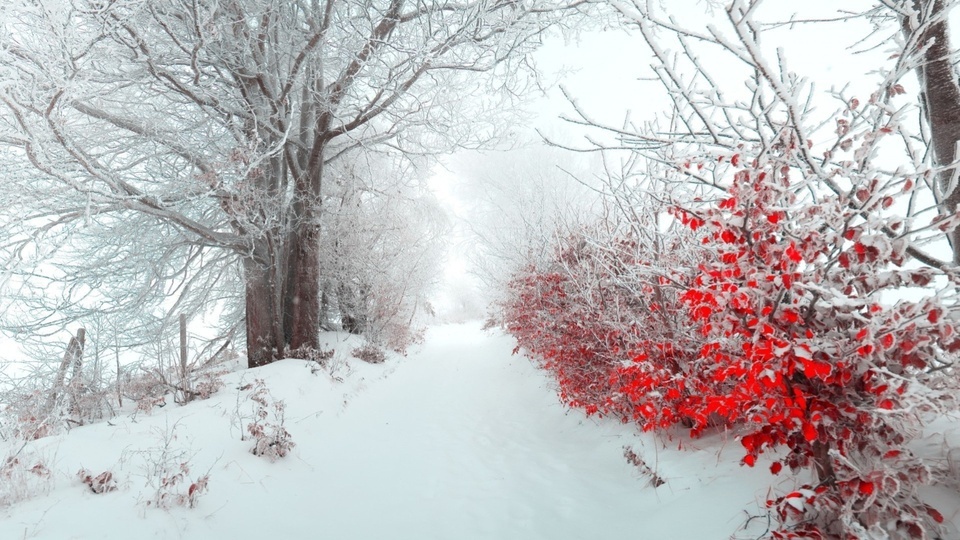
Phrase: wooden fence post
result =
(184, 375)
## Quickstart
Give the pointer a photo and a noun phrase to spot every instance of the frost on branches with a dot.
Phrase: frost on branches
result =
(810, 312)
(800, 349)
(786, 327)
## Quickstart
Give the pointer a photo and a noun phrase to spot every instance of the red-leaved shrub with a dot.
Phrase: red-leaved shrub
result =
(775, 324)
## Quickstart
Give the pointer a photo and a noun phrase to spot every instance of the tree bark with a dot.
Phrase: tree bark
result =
(303, 297)
(265, 341)
(284, 296)
(302, 300)
(940, 99)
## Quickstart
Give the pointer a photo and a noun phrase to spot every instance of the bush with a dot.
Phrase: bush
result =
(22, 477)
(167, 471)
(370, 354)
(779, 330)
(271, 438)
(100, 483)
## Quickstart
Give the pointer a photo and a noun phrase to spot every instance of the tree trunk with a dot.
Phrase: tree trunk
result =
(304, 287)
(302, 299)
(283, 296)
(265, 341)
(941, 101)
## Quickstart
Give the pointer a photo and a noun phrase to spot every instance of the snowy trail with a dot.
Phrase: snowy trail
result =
(461, 440)
(470, 452)
(467, 441)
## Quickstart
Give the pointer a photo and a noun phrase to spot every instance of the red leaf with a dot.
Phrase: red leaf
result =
(749, 442)
(793, 254)
(735, 160)
(750, 460)
(933, 316)
(844, 260)
(936, 515)
(809, 432)
(728, 204)
(866, 488)
(816, 370)
(776, 468)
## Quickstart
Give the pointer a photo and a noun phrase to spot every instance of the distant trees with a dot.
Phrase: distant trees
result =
(383, 238)
(518, 203)
(169, 152)
(792, 275)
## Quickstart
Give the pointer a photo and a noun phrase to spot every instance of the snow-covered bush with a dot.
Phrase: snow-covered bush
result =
(803, 350)
(166, 469)
(787, 329)
(369, 353)
(592, 310)
(270, 436)
(22, 476)
(98, 483)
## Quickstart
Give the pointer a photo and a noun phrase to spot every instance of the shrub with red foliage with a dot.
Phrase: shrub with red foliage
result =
(780, 331)
(590, 314)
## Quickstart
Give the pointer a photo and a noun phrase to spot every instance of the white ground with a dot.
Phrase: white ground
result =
(459, 440)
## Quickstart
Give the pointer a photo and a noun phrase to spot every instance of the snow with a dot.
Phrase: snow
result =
(459, 439)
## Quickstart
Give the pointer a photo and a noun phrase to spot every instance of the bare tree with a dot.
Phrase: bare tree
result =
(188, 125)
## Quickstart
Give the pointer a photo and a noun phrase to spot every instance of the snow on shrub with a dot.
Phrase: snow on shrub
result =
(779, 330)
(270, 436)
(583, 314)
(22, 476)
(98, 483)
(167, 472)
(802, 352)
(369, 353)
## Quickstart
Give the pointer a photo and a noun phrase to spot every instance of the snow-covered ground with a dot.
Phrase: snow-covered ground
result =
(458, 440)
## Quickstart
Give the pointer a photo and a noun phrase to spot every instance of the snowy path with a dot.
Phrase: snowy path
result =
(463, 449)
(461, 440)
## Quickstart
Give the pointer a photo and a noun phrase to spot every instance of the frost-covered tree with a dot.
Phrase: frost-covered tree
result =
(180, 148)
(382, 241)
